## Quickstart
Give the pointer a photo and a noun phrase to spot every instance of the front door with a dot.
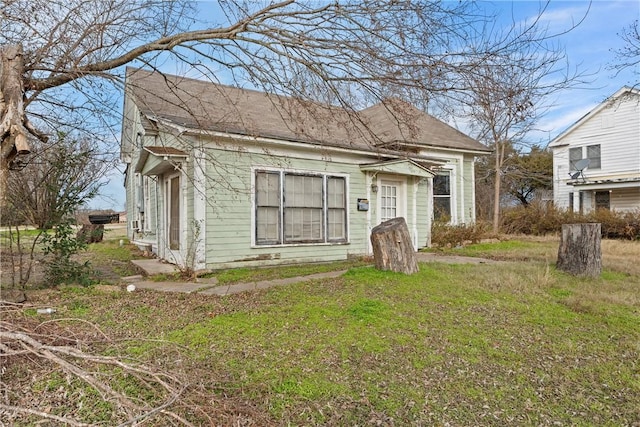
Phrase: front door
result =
(174, 213)
(392, 203)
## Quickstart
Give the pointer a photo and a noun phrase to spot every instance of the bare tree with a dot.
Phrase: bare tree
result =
(510, 93)
(629, 55)
(56, 179)
(59, 59)
(59, 56)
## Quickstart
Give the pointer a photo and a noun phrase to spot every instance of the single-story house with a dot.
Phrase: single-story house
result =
(596, 161)
(220, 177)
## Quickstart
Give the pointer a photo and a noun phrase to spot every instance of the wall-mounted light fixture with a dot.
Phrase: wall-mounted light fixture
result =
(374, 188)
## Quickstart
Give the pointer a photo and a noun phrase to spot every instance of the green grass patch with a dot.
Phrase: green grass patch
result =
(112, 250)
(513, 343)
(515, 250)
(238, 275)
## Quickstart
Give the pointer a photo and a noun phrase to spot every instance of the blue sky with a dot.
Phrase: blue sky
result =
(589, 47)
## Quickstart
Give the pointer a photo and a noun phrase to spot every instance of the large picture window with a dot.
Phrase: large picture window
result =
(442, 197)
(299, 208)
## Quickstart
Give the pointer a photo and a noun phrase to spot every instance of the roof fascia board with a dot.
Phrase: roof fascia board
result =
(291, 143)
(556, 141)
(399, 167)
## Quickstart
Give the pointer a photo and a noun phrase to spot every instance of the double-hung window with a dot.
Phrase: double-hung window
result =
(442, 197)
(575, 155)
(299, 208)
(592, 152)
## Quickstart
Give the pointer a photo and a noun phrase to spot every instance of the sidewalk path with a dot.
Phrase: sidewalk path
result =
(211, 287)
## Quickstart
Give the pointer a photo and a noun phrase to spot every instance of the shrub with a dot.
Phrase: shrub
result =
(60, 246)
(617, 225)
(535, 219)
(446, 235)
(540, 219)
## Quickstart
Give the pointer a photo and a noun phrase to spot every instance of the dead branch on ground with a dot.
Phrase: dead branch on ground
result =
(17, 344)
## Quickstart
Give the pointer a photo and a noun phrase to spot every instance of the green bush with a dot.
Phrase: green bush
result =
(60, 246)
(541, 219)
(446, 235)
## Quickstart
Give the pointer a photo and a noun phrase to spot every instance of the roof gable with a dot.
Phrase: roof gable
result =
(202, 105)
(399, 167)
(397, 121)
(619, 96)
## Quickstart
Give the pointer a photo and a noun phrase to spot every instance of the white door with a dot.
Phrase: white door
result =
(392, 201)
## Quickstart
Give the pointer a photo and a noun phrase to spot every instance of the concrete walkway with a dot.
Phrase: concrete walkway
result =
(153, 267)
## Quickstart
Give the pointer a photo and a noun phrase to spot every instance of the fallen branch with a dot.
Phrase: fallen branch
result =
(75, 319)
(43, 415)
(71, 360)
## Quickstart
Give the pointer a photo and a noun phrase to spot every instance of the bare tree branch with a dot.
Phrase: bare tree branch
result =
(44, 415)
(19, 343)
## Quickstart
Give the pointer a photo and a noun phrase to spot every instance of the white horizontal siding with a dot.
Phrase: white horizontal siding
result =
(626, 199)
(229, 225)
(616, 128)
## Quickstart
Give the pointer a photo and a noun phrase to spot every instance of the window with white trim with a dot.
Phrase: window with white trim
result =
(442, 196)
(591, 152)
(575, 155)
(299, 208)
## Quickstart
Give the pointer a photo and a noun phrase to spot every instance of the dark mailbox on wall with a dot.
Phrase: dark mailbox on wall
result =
(363, 204)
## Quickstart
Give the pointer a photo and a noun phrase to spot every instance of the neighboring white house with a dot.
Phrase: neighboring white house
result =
(220, 177)
(596, 161)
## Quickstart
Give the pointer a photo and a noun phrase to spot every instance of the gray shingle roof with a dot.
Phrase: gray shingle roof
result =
(198, 104)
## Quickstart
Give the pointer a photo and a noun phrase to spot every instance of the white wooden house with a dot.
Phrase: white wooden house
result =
(220, 177)
(596, 161)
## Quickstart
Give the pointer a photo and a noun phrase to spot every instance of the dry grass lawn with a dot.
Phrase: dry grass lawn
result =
(508, 343)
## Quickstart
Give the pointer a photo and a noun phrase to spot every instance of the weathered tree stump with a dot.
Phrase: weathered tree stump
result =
(580, 253)
(392, 247)
(14, 296)
(91, 233)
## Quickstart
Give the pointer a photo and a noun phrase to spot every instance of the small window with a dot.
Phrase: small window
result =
(268, 208)
(336, 209)
(388, 200)
(575, 155)
(442, 197)
(593, 154)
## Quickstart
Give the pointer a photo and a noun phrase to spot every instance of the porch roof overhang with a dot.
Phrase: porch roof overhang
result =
(398, 167)
(605, 184)
(155, 160)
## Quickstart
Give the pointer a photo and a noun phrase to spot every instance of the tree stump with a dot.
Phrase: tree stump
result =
(91, 233)
(580, 253)
(392, 247)
(15, 296)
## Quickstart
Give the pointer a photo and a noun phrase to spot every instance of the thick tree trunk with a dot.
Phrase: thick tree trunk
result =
(392, 247)
(580, 253)
(13, 133)
(496, 186)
